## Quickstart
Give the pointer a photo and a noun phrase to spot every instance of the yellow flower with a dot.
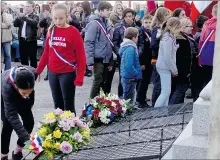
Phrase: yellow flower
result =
(49, 137)
(49, 154)
(86, 133)
(46, 144)
(42, 132)
(49, 116)
(57, 146)
(66, 114)
(57, 134)
(31, 147)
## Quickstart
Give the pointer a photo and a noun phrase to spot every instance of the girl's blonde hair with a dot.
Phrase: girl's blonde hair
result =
(55, 7)
(115, 7)
(184, 22)
(170, 25)
(159, 16)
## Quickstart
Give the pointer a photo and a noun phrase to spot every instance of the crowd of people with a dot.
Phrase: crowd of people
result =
(79, 41)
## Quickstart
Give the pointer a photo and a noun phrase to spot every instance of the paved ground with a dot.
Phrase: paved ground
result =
(44, 102)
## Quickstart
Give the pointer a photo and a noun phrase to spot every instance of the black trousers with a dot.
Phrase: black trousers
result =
(120, 88)
(206, 74)
(107, 79)
(143, 85)
(28, 123)
(63, 90)
(28, 51)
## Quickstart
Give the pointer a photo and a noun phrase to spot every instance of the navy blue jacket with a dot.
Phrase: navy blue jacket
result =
(118, 37)
(154, 43)
(13, 102)
(146, 56)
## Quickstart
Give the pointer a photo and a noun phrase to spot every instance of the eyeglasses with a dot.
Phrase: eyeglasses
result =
(190, 26)
(51, 3)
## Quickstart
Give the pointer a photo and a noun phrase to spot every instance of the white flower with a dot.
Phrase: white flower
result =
(103, 115)
(113, 104)
(94, 103)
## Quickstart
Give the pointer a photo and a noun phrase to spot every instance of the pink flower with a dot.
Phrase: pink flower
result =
(65, 147)
(63, 123)
(58, 112)
(77, 136)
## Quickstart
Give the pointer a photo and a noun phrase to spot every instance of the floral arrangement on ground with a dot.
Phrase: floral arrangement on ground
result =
(105, 109)
(60, 134)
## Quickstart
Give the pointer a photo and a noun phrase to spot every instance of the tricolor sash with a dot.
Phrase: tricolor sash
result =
(148, 37)
(57, 53)
(104, 31)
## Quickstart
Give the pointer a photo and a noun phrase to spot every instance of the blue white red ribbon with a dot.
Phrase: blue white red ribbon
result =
(57, 53)
(106, 33)
(36, 142)
(148, 37)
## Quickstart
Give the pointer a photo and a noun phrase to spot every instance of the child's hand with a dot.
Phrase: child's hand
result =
(38, 78)
(110, 68)
(143, 67)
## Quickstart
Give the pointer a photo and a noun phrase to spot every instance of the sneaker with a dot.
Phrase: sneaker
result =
(17, 156)
(4, 158)
(145, 105)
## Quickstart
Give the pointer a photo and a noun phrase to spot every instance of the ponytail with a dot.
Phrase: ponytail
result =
(50, 28)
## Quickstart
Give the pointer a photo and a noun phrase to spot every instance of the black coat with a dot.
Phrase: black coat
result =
(118, 37)
(146, 56)
(13, 102)
(31, 28)
(155, 41)
(45, 24)
(183, 59)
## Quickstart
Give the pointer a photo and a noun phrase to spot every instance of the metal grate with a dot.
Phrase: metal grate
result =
(145, 134)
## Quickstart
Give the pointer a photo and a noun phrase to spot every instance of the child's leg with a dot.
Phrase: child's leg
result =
(56, 90)
(128, 89)
(6, 132)
(67, 86)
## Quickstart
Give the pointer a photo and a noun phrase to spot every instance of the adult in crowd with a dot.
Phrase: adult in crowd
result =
(37, 9)
(179, 13)
(6, 36)
(166, 63)
(27, 23)
(118, 36)
(98, 47)
(161, 15)
(45, 23)
(87, 11)
(207, 45)
(180, 83)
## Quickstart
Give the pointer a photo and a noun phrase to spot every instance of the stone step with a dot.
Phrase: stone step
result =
(201, 119)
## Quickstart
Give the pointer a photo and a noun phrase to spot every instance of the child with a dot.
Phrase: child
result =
(166, 62)
(145, 62)
(17, 98)
(98, 47)
(130, 66)
(207, 45)
(199, 23)
(161, 15)
(118, 35)
(64, 53)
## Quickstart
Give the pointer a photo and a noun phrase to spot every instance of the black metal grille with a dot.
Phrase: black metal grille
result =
(145, 134)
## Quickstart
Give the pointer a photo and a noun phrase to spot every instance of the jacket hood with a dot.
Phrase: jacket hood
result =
(125, 44)
(211, 23)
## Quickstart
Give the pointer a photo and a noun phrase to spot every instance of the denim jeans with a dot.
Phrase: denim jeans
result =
(6, 51)
(129, 88)
(165, 79)
(63, 90)
(156, 83)
(15, 44)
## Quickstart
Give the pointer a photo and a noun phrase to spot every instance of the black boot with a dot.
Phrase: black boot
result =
(17, 156)
(17, 60)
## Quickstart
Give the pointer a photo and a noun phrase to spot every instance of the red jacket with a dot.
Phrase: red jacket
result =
(68, 42)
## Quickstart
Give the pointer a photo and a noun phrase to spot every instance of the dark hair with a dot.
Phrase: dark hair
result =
(86, 8)
(31, 2)
(24, 78)
(131, 32)
(201, 20)
(177, 11)
(126, 11)
(39, 9)
(104, 5)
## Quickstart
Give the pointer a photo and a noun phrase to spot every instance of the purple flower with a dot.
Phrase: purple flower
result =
(58, 112)
(65, 147)
(63, 123)
(77, 136)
